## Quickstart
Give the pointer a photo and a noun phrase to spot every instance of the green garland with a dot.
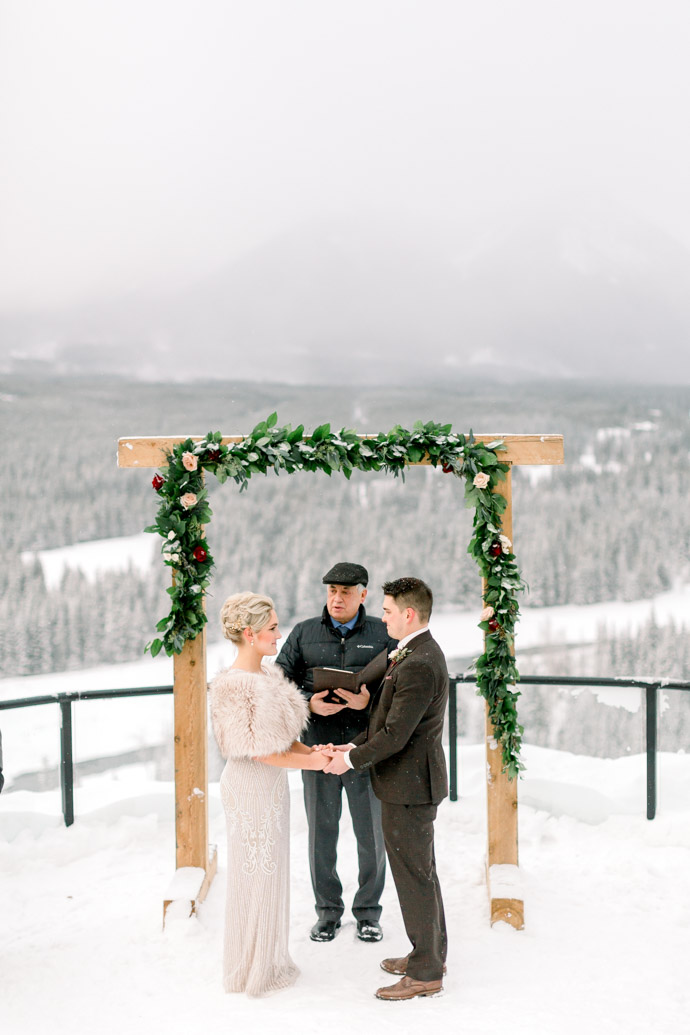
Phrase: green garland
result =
(184, 510)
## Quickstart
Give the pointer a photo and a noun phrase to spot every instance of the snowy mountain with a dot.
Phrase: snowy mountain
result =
(587, 291)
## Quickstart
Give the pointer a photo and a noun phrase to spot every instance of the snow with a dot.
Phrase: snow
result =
(95, 557)
(607, 899)
(506, 881)
(456, 630)
(107, 727)
(607, 908)
(185, 884)
(589, 461)
(535, 473)
(603, 434)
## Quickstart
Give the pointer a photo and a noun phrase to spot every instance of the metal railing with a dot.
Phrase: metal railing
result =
(64, 701)
(651, 688)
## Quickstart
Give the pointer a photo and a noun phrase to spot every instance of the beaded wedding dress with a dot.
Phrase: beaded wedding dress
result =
(256, 715)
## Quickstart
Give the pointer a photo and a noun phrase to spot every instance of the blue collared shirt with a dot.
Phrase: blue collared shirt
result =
(340, 626)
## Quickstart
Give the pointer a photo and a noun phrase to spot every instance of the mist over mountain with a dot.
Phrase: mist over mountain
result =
(592, 293)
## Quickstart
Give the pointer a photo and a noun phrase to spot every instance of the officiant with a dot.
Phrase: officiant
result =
(345, 637)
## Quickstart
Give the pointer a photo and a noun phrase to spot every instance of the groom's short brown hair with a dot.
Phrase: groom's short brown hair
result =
(411, 592)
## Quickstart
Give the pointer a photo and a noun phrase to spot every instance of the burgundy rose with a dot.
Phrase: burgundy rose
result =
(158, 482)
(493, 625)
(214, 456)
(199, 554)
(447, 469)
(495, 549)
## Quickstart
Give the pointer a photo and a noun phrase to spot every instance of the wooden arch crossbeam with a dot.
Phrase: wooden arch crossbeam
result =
(195, 859)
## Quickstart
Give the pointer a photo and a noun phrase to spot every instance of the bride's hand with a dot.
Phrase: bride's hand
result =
(319, 760)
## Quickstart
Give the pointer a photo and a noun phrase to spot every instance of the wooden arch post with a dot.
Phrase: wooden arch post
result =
(195, 859)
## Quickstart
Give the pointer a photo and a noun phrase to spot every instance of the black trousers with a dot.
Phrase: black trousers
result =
(408, 831)
(323, 802)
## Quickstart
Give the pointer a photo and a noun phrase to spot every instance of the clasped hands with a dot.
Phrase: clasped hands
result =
(336, 753)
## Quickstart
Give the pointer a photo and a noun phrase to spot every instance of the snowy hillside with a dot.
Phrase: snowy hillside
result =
(113, 727)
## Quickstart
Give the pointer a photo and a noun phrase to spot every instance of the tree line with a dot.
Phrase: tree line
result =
(611, 527)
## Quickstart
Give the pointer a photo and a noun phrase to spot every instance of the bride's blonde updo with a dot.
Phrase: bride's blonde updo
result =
(244, 611)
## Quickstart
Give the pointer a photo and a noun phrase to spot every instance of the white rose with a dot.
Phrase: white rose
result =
(486, 614)
(481, 480)
(189, 462)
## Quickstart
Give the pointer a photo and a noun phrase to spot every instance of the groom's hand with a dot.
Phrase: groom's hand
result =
(330, 748)
(337, 764)
(356, 701)
(318, 706)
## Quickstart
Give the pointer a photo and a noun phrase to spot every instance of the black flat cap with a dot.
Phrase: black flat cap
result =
(345, 573)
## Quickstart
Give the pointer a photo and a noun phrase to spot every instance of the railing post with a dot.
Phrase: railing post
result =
(651, 729)
(453, 737)
(66, 761)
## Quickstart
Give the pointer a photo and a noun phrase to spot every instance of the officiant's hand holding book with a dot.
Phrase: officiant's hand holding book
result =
(334, 679)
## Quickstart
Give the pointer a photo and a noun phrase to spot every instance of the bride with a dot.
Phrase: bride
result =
(257, 716)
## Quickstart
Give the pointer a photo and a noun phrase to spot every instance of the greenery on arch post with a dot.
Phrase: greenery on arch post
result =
(184, 511)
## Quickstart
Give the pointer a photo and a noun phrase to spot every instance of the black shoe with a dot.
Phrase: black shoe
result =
(324, 930)
(369, 931)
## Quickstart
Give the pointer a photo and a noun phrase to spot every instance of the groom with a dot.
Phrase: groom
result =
(402, 748)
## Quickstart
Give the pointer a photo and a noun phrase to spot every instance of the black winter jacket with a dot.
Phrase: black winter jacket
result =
(314, 643)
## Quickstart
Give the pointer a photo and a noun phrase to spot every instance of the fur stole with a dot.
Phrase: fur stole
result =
(256, 714)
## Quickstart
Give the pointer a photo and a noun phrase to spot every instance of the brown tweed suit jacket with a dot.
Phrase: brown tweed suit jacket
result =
(402, 746)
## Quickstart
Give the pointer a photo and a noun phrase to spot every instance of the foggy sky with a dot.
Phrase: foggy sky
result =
(145, 142)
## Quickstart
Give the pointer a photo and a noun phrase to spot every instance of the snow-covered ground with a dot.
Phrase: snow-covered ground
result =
(607, 893)
(604, 950)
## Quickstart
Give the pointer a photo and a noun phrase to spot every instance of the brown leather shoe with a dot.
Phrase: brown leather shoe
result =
(398, 965)
(409, 988)
(395, 965)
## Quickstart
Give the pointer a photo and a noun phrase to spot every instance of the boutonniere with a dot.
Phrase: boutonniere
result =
(397, 655)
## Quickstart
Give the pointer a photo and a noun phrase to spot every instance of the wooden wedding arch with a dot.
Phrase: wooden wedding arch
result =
(195, 858)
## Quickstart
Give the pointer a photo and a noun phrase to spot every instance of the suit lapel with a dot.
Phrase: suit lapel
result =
(409, 647)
